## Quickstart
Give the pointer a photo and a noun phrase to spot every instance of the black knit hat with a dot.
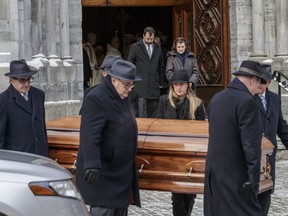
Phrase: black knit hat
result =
(180, 76)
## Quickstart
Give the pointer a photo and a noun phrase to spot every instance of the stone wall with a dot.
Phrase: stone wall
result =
(60, 81)
(25, 28)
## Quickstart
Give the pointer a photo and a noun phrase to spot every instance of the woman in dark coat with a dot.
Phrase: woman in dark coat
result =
(182, 58)
(181, 103)
(106, 168)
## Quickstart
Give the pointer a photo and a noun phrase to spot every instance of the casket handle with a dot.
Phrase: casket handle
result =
(142, 163)
(66, 157)
(195, 166)
(73, 167)
(267, 171)
(190, 172)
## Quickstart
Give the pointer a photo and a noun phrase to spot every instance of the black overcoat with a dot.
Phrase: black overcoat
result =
(234, 153)
(166, 111)
(108, 141)
(22, 123)
(152, 71)
(273, 124)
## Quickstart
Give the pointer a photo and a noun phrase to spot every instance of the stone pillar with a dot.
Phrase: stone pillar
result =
(50, 29)
(270, 28)
(64, 30)
(282, 27)
(258, 32)
(36, 27)
(21, 34)
(5, 54)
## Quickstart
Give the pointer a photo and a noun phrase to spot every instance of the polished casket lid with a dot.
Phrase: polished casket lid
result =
(171, 153)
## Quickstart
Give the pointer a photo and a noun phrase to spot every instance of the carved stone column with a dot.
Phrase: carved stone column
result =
(21, 29)
(50, 28)
(282, 27)
(64, 30)
(36, 7)
(258, 32)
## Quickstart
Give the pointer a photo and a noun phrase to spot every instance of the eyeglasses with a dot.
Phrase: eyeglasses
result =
(127, 85)
(22, 80)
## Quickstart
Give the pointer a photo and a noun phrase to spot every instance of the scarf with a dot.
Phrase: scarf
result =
(182, 57)
(182, 107)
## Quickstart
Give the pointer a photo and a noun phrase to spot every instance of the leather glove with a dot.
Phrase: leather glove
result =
(91, 175)
(249, 184)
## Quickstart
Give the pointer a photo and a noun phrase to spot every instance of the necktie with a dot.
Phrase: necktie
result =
(149, 50)
(263, 102)
(25, 95)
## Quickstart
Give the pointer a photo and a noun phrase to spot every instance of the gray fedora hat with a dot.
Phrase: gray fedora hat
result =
(19, 68)
(180, 76)
(108, 62)
(124, 70)
(252, 68)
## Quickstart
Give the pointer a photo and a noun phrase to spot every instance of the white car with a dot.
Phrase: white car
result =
(32, 185)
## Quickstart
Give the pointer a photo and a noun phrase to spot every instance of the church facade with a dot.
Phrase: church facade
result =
(49, 35)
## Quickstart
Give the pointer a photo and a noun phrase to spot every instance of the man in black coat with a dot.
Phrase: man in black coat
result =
(106, 168)
(234, 150)
(22, 113)
(149, 62)
(273, 124)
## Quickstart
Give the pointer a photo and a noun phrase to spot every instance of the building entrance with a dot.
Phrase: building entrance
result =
(108, 22)
(205, 24)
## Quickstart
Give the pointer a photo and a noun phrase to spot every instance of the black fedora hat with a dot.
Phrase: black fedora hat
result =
(180, 76)
(252, 68)
(108, 62)
(268, 71)
(19, 68)
(124, 70)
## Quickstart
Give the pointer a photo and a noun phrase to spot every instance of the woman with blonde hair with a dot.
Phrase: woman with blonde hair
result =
(181, 103)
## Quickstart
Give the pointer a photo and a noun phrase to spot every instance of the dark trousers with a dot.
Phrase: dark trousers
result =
(183, 204)
(100, 211)
(147, 107)
(265, 200)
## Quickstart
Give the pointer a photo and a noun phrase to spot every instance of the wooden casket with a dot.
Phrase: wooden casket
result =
(171, 153)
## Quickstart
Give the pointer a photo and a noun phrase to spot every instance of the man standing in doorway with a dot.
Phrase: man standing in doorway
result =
(149, 62)
(90, 49)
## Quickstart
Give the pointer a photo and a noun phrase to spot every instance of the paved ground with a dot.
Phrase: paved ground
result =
(159, 203)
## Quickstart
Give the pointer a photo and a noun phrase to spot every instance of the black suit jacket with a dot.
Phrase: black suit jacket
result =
(22, 123)
(152, 71)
